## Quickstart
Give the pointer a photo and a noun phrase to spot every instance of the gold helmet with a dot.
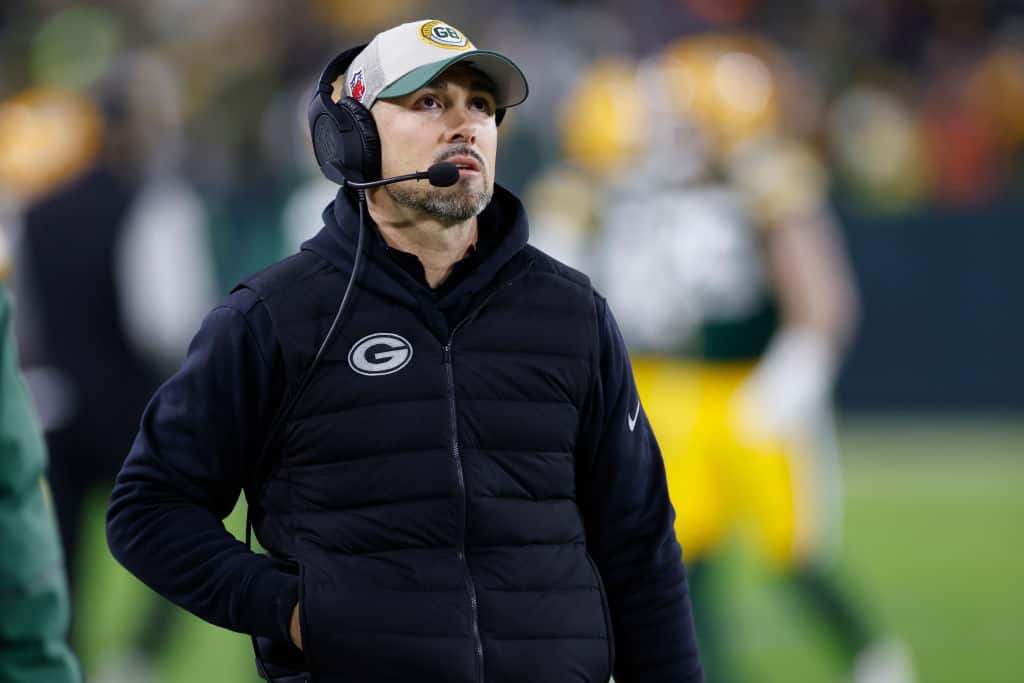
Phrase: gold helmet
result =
(996, 90)
(731, 87)
(47, 137)
(602, 117)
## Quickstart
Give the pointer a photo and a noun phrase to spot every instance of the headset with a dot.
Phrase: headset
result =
(345, 138)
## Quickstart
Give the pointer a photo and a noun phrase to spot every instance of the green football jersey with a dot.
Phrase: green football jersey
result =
(34, 612)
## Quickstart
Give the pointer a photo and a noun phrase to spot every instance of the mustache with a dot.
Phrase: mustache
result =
(462, 151)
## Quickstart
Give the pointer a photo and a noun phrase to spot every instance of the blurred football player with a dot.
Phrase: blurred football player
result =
(717, 249)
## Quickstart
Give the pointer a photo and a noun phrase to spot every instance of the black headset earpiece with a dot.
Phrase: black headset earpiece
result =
(345, 138)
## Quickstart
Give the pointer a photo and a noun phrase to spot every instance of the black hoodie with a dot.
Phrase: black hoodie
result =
(430, 547)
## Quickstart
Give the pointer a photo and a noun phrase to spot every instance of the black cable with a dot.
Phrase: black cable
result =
(307, 377)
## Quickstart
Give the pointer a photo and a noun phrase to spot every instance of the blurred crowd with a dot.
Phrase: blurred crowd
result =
(197, 109)
(152, 154)
(909, 103)
(906, 105)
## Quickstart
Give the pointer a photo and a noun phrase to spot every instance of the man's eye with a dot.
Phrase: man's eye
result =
(429, 102)
(483, 104)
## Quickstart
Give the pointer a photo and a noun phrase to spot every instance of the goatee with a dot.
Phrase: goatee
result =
(448, 205)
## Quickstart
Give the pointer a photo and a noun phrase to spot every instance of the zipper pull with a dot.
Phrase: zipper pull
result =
(446, 354)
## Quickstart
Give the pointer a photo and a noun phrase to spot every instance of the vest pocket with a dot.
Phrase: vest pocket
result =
(607, 616)
(304, 620)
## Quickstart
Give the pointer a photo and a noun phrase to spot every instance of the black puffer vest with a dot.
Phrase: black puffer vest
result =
(426, 482)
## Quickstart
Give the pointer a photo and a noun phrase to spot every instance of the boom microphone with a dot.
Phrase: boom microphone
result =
(443, 174)
(439, 175)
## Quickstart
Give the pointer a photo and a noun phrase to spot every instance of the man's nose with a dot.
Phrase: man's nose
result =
(462, 127)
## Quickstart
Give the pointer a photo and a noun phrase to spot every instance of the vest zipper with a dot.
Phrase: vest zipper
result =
(446, 359)
(460, 549)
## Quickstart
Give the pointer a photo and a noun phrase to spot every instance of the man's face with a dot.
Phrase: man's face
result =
(450, 119)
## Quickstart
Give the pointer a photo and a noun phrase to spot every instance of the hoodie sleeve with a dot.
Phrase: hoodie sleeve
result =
(629, 521)
(200, 435)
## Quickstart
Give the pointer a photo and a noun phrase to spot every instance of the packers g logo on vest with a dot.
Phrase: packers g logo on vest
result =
(440, 34)
(381, 353)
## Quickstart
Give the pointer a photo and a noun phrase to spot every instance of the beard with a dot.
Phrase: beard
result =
(447, 204)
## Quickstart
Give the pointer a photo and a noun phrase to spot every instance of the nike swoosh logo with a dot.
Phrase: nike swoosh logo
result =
(632, 418)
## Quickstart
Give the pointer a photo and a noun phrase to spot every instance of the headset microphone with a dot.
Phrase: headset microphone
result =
(443, 174)
(440, 175)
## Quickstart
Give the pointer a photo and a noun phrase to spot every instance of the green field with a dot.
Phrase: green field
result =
(932, 539)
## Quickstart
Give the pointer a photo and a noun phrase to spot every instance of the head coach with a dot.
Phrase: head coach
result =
(434, 423)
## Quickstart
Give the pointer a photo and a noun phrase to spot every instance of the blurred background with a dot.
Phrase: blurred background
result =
(779, 199)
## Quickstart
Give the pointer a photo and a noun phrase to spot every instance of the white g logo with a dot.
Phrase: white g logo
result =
(381, 353)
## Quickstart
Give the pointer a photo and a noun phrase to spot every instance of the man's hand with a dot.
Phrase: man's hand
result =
(294, 628)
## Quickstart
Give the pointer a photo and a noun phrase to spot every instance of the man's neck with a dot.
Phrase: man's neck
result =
(438, 245)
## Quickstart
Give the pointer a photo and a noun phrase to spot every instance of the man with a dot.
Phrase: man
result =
(34, 611)
(464, 483)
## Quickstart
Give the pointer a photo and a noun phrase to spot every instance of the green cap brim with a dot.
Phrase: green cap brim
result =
(509, 78)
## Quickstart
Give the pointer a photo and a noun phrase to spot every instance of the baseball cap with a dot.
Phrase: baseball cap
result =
(407, 57)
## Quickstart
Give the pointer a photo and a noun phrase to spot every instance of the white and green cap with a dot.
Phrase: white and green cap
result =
(407, 57)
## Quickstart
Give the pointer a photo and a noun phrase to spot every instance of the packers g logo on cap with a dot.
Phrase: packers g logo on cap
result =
(440, 34)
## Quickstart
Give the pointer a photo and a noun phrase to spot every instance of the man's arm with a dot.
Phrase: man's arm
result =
(201, 433)
(629, 520)
(811, 274)
(786, 186)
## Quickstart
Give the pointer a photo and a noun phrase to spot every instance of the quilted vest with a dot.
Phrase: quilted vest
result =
(425, 482)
